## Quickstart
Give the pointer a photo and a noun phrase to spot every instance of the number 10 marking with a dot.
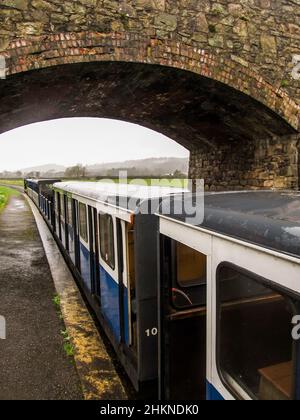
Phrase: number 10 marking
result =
(152, 332)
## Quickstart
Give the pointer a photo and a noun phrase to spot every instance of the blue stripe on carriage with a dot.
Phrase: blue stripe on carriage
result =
(110, 301)
(212, 394)
(110, 305)
(71, 243)
(126, 316)
(85, 266)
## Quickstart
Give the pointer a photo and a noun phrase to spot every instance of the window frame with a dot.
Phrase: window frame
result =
(66, 207)
(69, 210)
(174, 276)
(84, 239)
(113, 266)
(62, 207)
(176, 266)
(282, 290)
(57, 203)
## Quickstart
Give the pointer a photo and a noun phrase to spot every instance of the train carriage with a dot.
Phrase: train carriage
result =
(41, 192)
(204, 309)
(229, 291)
(110, 240)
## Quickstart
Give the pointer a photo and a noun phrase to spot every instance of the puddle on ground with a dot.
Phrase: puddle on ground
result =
(16, 206)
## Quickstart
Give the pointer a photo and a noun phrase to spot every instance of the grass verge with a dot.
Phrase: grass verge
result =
(68, 347)
(5, 194)
(12, 182)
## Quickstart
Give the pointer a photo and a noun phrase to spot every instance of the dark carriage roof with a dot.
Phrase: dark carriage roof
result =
(269, 219)
(42, 181)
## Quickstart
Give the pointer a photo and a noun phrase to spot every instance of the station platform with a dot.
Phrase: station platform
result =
(34, 363)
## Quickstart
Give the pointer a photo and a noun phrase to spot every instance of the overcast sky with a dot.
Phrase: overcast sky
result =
(82, 140)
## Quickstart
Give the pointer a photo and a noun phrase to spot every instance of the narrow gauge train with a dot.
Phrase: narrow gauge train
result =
(206, 311)
(41, 193)
(111, 248)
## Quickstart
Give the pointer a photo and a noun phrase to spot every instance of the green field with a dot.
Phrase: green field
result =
(5, 194)
(163, 182)
(154, 182)
(14, 182)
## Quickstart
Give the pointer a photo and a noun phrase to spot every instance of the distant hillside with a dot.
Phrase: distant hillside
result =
(51, 167)
(151, 166)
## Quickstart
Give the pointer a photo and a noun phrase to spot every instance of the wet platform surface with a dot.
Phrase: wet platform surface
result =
(33, 363)
(99, 371)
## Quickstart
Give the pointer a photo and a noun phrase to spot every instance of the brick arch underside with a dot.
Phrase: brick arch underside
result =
(188, 108)
(240, 131)
(37, 52)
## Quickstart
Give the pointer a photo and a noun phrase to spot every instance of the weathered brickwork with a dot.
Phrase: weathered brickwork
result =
(247, 45)
(253, 165)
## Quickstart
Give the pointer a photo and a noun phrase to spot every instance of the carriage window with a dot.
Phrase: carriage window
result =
(62, 206)
(83, 222)
(132, 285)
(189, 283)
(191, 266)
(57, 202)
(69, 211)
(255, 345)
(106, 235)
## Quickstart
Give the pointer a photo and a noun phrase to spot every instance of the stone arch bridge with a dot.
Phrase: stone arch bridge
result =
(220, 77)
